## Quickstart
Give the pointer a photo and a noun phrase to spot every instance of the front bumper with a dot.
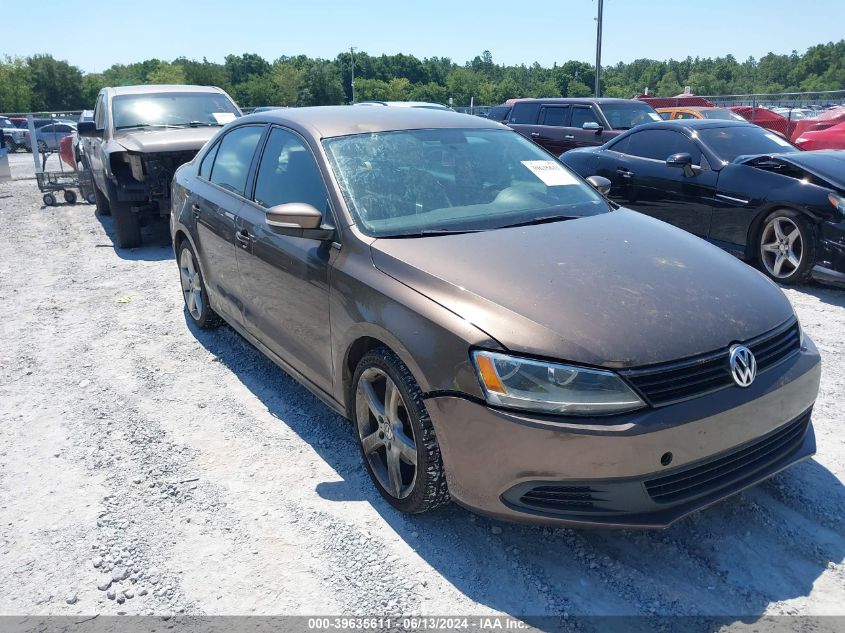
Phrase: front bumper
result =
(615, 472)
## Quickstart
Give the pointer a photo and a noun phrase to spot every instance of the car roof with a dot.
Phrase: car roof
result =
(689, 108)
(599, 100)
(406, 104)
(696, 124)
(159, 88)
(329, 121)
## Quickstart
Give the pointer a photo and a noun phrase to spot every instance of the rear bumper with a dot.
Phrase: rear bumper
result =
(614, 472)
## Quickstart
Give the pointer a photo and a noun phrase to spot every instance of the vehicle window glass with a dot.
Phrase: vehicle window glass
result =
(557, 116)
(46, 129)
(525, 113)
(620, 146)
(63, 128)
(172, 109)
(99, 114)
(499, 113)
(288, 173)
(661, 144)
(729, 142)
(4, 122)
(685, 115)
(415, 182)
(665, 115)
(582, 115)
(234, 156)
(208, 161)
(624, 115)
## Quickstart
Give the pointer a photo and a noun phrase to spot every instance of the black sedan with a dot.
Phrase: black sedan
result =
(735, 184)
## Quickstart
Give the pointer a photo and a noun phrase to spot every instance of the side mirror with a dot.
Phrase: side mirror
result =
(297, 219)
(88, 129)
(600, 184)
(683, 161)
(592, 125)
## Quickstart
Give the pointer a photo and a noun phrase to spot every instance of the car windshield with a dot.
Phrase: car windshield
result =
(720, 113)
(729, 142)
(417, 182)
(624, 116)
(172, 109)
(4, 122)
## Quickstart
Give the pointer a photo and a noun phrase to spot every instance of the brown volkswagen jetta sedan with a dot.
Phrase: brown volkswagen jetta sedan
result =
(498, 332)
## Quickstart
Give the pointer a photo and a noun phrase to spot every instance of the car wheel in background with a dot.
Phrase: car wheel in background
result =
(395, 434)
(193, 289)
(787, 247)
(42, 146)
(101, 201)
(126, 225)
(10, 146)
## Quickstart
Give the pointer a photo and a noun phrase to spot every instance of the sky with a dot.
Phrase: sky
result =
(125, 31)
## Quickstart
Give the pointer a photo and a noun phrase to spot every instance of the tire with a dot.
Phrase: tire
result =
(126, 225)
(70, 196)
(786, 247)
(101, 201)
(42, 146)
(11, 147)
(394, 429)
(194, 293)
(49, 199)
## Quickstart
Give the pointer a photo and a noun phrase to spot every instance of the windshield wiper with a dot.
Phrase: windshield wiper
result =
(197, 124)
(141, 126)
(431, 232)
(542, 220)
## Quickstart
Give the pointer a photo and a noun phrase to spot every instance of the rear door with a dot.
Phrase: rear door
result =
(663, 192)
(524, 119)
(285, 279)
(222, 180)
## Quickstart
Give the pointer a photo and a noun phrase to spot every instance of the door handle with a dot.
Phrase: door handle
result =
(244, 238)
(195, 209)
(535, 134)
(569, 137)
(625, 173)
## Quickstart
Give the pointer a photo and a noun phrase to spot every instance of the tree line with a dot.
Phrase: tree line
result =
(42, 83)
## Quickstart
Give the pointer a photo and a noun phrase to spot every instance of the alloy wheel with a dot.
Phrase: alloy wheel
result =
(191, 284)
(387, 437)
(781, 247)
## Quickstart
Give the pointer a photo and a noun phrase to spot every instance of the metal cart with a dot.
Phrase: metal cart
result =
(51, 182)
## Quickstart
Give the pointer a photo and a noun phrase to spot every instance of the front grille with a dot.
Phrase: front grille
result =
(671, 382)
(559, 498)
(730, 469)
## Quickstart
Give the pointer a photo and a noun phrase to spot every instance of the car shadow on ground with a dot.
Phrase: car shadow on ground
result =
(729, 563)
(156, 244)
(833, 295)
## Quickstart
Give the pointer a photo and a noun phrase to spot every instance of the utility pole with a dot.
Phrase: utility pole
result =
(598, 48)
(352, 68)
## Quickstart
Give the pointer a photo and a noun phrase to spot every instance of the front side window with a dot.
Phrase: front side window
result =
(234, 157)
(729, 142)
(557, 116)
(288, 173)
(415, 182)
(99, 114)
(582, 115)
(627, 114)
(660, 145)
(172, 109)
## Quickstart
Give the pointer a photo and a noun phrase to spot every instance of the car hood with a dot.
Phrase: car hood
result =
(616, 290)
(172, 140)
(826, 164)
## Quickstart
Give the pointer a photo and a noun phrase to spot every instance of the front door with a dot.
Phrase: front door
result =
(285, 279)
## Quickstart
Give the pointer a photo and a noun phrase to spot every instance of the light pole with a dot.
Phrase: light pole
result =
(598, 47)
(352, 68)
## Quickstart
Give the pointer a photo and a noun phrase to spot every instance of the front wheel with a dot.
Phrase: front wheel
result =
(395, 434)
(11, 147)
(787, 247)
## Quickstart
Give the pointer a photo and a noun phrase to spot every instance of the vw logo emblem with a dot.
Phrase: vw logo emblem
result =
(743, 365)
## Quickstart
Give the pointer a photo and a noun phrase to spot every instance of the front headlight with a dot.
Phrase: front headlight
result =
(837, 201)
(521, 383)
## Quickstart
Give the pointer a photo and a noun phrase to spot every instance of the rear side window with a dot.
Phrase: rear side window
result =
(234, 157)
(526, 113)
(288, 173)
(499, 113)
(582, 115)
(660, 145)
(208, 162)
(557, 116)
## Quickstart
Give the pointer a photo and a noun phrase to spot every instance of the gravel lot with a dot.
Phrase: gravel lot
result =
(147, 467)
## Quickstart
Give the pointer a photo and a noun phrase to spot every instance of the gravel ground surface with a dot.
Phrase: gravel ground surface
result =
(147, 467)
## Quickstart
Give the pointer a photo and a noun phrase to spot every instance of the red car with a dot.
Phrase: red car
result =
(829, 138)
(766, 118)
(825, 120)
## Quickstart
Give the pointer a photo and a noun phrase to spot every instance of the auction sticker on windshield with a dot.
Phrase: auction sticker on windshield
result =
(223, 117)
(550, 172)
